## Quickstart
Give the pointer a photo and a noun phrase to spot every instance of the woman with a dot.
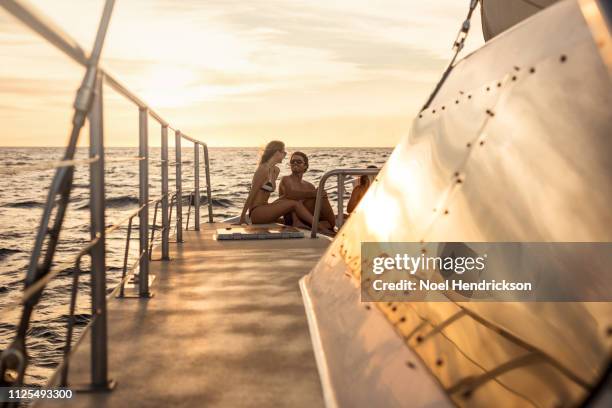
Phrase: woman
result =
(359, 191)
(263, 184)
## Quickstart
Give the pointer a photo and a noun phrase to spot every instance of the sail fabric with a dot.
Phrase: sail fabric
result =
(499, 15)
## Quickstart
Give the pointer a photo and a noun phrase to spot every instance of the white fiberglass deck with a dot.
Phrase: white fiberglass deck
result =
(226, 327)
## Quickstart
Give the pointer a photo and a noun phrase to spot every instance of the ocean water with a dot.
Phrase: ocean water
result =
(23, 191)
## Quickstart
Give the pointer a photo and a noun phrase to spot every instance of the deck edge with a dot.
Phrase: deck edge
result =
(317, 346)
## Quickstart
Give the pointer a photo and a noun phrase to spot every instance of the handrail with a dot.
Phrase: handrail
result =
(347, 181)
(340, 173)
(89, 103)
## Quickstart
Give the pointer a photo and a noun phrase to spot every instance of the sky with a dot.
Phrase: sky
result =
(236, 73)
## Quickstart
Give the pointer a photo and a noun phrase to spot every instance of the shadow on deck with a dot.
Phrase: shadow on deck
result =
(226, 327)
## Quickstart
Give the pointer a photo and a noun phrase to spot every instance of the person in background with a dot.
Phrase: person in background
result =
(294, 187)
(359, 191)
(263, 184)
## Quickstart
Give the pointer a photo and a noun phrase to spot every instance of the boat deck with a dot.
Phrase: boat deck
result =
(226, 327)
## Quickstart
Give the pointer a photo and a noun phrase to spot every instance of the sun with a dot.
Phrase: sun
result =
(169, 86)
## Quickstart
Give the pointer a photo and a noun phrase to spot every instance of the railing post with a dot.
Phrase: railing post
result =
(340, 217)
(179, 191)
(317, 210)
(99, 343)
(143, 198)
(164, 191)
(208, 192)
(196, 185)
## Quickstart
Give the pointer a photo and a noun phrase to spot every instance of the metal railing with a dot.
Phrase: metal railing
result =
(89, 104)
(341, 174)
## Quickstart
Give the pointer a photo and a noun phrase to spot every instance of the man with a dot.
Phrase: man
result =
(295, 188)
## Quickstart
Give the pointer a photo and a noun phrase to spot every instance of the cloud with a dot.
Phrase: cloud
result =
(226, 64)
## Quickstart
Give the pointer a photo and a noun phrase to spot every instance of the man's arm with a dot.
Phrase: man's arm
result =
(281, 186)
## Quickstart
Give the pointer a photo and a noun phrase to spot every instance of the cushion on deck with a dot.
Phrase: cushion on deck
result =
(258, 232)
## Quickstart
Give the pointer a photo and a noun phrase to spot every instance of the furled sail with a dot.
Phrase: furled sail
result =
(499, 15)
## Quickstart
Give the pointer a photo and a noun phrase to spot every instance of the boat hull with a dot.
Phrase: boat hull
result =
(515, 147)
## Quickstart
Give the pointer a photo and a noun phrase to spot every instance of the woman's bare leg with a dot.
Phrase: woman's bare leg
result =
(296, 221)
(303, 214)
(327, 212)
(268, 213)
(323, 225)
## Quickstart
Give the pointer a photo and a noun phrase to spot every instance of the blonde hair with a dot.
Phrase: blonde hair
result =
(271, 148)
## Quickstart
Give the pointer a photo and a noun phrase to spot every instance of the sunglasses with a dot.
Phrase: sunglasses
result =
(296, 161)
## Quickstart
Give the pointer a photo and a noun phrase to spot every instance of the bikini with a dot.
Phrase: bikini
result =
(268, 187)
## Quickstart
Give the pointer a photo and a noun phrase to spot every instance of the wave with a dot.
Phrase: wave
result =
(7, 327)
(216, 202)
(5, 252)
(44, 332)
(80, 319)
(71, 270)
(24, 204)
(115, 202)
